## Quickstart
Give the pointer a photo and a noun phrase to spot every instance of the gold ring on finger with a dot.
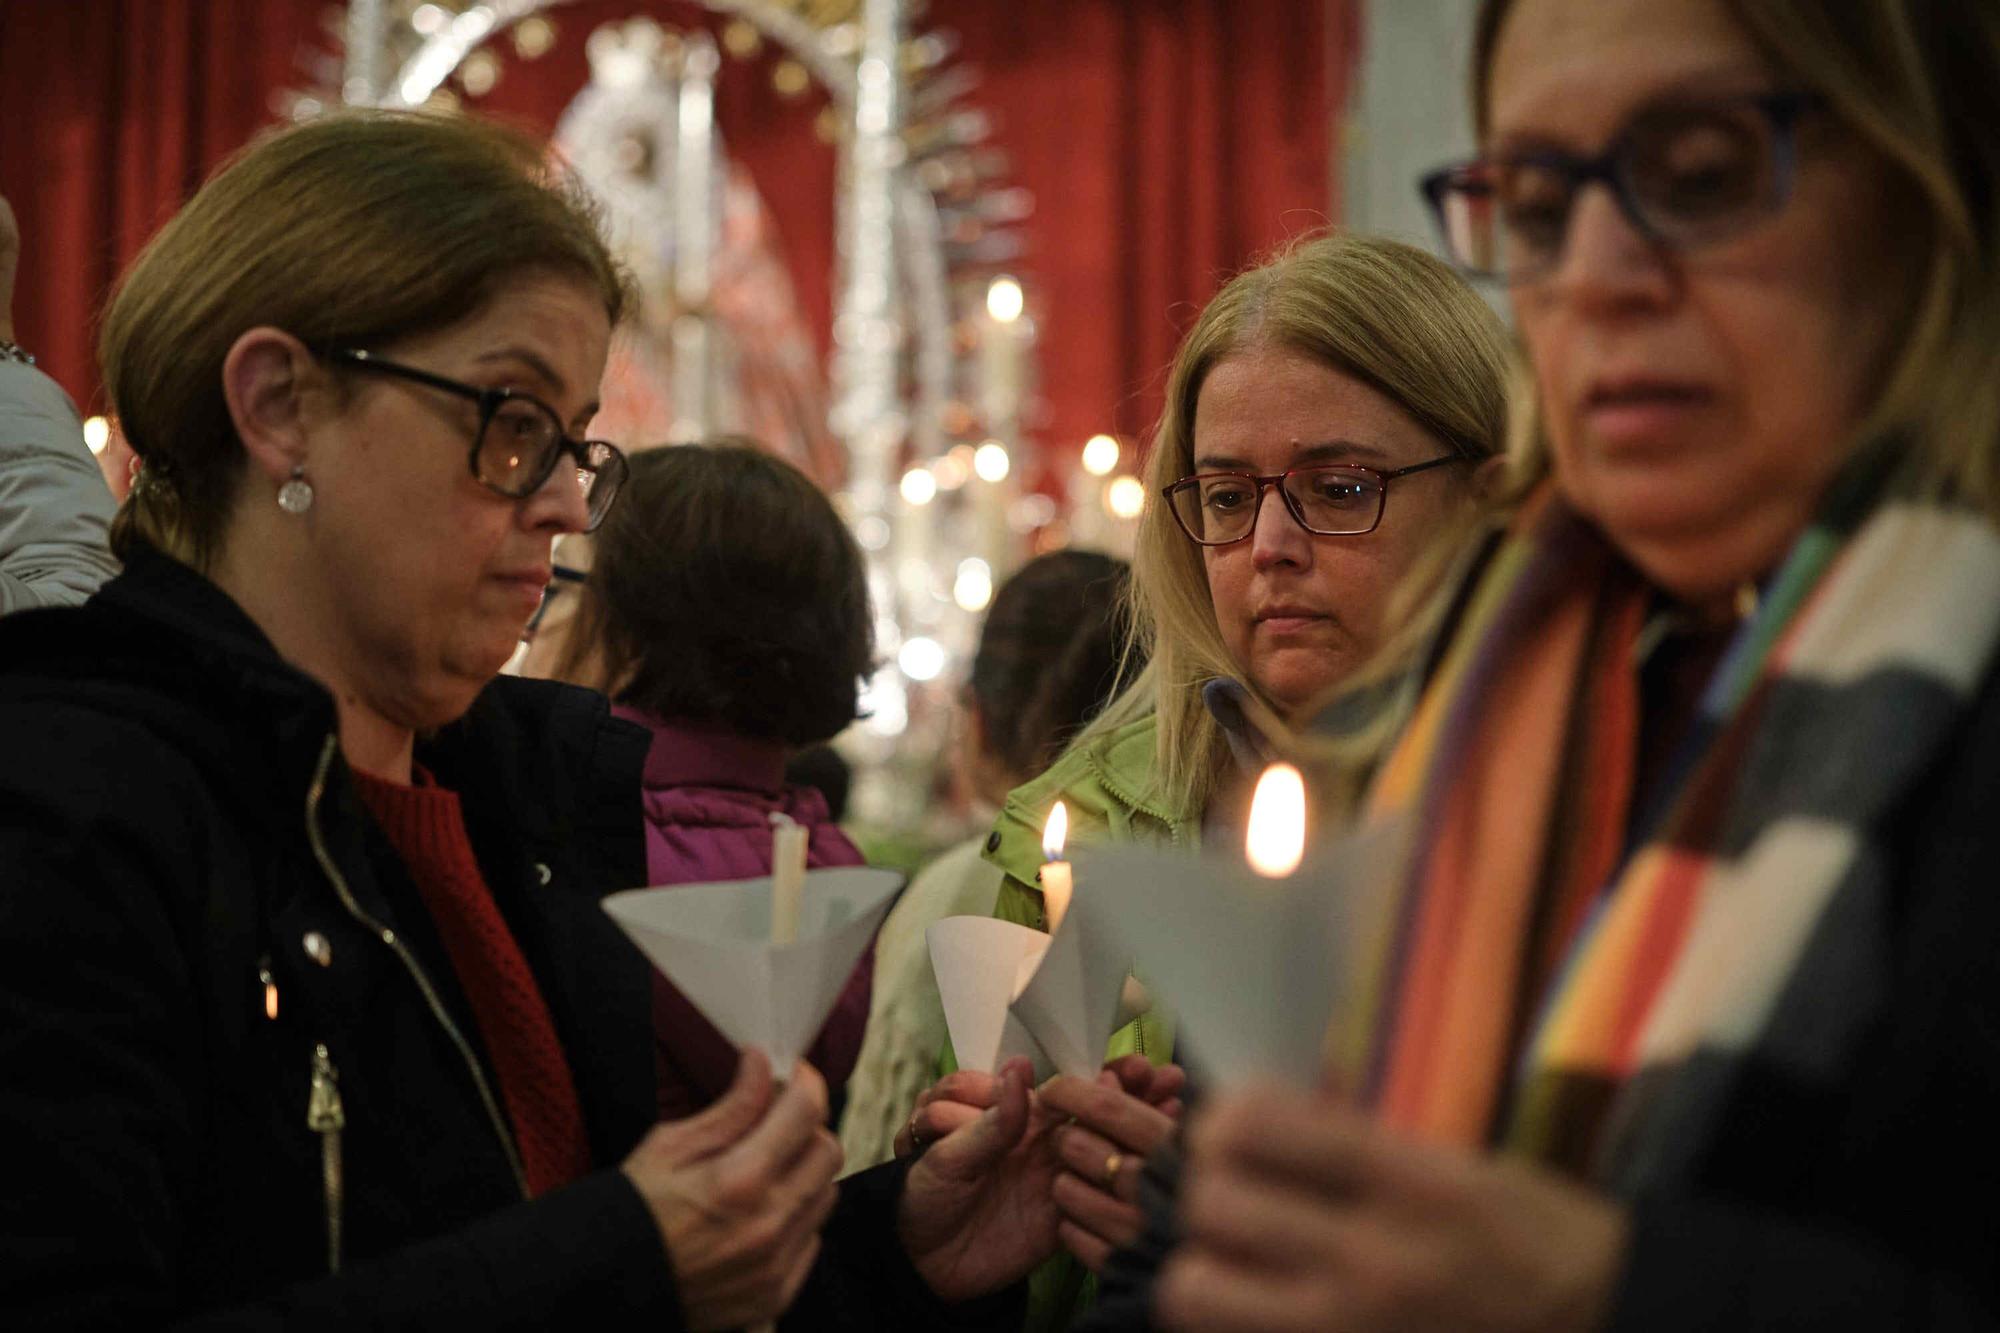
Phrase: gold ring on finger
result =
(1112, 1166)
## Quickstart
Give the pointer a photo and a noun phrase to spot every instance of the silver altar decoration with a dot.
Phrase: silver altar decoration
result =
(867, 324)
(695, 220)
(361, 82)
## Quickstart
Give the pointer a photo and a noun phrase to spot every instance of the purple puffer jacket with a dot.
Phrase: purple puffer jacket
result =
(709, 797)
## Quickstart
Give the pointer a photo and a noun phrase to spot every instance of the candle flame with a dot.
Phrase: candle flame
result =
(1276, 842)
(1055, 832)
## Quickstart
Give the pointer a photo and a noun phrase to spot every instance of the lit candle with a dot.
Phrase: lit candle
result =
(1276, 840)
(1056, 882)
(788, 877)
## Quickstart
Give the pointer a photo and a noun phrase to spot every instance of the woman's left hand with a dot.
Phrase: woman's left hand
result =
(1302, 1213)
(1116, 1122)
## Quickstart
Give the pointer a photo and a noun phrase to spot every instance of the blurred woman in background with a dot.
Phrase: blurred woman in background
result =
(1049, 656)
(726, 611)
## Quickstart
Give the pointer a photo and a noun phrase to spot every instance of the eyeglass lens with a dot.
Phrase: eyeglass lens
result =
(522, 443)
(1330, 501)
(1688, 175)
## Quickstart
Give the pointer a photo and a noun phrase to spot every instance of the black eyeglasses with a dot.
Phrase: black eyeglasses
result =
(520, 439)
(1687, 174)
(1328, 500)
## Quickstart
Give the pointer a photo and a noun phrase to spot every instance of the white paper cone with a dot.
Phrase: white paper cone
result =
(1069, 1005)
(712, 941)
(981, 963)
(1253, 967)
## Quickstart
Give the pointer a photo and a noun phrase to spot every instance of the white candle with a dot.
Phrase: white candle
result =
(788, 877)
(1056, 879)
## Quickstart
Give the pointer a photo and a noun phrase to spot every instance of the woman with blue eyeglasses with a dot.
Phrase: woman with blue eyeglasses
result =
(1686, 1015)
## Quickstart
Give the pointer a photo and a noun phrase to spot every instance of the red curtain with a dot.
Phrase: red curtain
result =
(1166, 142)
(115, 110)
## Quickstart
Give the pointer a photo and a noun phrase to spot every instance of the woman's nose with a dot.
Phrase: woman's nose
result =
(1606, 261)
(559, 502)
(1277, 538)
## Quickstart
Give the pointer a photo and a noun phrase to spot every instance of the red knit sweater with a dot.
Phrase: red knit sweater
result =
(426, 827)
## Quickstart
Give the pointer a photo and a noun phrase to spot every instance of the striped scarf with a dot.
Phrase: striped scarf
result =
(1585, 983)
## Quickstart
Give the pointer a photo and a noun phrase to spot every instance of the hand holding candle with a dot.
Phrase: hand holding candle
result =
(1055, 877)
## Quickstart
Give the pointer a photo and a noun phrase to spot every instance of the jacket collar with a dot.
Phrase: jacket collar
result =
(546, 753)
(681, 755)
(187, 605)
(1225, 698)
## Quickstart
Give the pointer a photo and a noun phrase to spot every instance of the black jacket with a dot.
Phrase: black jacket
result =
(180, 845)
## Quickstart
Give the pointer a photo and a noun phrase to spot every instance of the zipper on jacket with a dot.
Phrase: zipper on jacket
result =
(326, 1117)
(396, 946)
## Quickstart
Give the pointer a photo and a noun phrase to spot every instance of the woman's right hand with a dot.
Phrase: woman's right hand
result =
(740, 1192)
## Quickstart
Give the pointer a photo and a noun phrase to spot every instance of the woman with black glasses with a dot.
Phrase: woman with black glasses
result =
(1687, 1019)
(308, 1009)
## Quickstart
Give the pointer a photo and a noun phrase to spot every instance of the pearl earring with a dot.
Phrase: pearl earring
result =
(296, 495)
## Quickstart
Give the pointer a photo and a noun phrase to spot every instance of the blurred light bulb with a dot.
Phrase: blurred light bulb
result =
(919, 486)
(990, 461)
(1125, 497)
(951, 471)
(884, 710)
(1100, 455)
(921, 658)
(1030, 512)
(790, 78)
(872, 532)
(973, 588)
(534, 38)
(96, 434)
(1004, 300)
(479, 73)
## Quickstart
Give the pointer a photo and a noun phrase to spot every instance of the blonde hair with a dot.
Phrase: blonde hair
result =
(1388, 314)
(360, 228)
(1919, 81)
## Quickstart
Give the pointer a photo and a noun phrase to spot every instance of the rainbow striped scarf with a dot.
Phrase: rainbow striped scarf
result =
(1584, 985)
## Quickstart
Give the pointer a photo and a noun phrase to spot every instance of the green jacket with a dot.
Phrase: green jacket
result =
(1108, 788)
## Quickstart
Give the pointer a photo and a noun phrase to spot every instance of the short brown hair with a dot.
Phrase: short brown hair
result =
(363, 227)
(725, 592)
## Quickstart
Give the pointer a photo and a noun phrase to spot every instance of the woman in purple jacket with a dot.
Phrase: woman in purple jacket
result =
(726, 610)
